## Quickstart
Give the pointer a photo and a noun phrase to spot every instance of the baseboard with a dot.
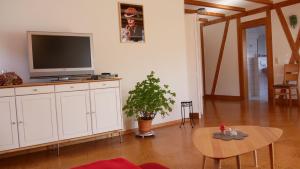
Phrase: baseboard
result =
(70, 142)
(155, 126)
(223, 97)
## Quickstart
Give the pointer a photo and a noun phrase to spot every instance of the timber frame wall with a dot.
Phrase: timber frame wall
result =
(294, 45)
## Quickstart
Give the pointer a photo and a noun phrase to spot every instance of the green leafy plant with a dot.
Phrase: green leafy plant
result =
(149, 98)
(293, 20)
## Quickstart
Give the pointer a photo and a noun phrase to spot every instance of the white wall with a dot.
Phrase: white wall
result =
(228, 79)
(212, 40)
(212, 36)
(229, 71)
(193, 43)
(281, 48)
(163, 52)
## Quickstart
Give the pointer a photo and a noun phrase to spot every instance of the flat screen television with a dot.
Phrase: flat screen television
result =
(60, 54)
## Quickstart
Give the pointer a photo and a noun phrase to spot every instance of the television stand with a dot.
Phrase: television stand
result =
(63, 78)
(69, 78)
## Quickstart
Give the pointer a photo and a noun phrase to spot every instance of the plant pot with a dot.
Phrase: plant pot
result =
(144, 125)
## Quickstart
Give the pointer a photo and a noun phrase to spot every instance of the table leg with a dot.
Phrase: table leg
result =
(238, 162)
(217, 163)
(255, 158)
(272, 160)
(290, 97)
(203, 162)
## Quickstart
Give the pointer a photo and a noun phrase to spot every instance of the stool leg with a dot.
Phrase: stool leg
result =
(297, 92)
(181, 117)
(274, 96)
(290, 97)
(192, 118)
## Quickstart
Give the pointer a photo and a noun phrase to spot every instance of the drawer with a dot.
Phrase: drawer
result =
(106, 84)
(7, 92)
(34, 90)
(71, 87)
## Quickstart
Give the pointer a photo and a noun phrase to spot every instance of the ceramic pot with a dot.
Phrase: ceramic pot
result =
(144, 125)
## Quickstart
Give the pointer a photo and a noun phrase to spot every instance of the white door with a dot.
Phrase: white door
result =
(106, 114)
(74, 118)
(8, 124)
(36, 119)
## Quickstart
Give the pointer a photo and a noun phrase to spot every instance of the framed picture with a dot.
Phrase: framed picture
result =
(131, 23)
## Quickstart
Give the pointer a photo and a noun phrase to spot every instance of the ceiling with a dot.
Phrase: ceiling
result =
(237, 3)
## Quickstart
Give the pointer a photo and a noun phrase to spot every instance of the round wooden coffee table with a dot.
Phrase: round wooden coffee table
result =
(216, 149)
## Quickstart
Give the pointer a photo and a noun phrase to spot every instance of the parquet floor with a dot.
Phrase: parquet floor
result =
(173, 146)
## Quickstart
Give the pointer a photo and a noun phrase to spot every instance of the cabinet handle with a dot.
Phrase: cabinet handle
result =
(103, 84)
(35, 90)
(21, 122)
(13, 123)
(71, 87)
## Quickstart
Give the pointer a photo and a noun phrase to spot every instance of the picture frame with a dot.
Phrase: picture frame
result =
(131, 23)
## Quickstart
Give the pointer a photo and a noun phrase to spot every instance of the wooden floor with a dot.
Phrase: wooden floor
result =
(173, 147)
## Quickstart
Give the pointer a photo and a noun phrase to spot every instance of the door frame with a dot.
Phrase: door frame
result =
(243, 55)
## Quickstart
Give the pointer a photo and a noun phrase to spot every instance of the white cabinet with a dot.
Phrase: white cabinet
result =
(32, 115)
(106, 112)
(73, 110)
(36, 119)
(8, 124)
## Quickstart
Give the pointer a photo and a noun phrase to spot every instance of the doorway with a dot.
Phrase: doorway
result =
(256, 59)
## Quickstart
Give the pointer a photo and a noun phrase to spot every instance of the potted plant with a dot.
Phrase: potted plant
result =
(148, 99)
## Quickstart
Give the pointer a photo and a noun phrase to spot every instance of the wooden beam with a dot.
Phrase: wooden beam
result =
(235, 16)
(205, 13)
(213, 14)
(289, 36)
(240, 57)
(253, 11)
(202, 19)
(298, 44)
(295, 56)
(266, 2)
(285, 3)
(220, 58)
(213, 5)
(254, 23)
(269, 45)
(190, 11)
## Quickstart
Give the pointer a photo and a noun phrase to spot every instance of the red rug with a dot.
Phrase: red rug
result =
(152, 166)
(119, 163)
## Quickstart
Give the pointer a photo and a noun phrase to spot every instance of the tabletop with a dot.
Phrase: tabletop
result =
(258, 137)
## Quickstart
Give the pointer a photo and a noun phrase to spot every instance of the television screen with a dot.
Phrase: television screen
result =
(56, 54)
(60, 52)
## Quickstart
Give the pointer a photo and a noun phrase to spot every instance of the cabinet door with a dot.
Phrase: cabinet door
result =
(8, 124)
(74, 118)
(36, 119)
(106, 112)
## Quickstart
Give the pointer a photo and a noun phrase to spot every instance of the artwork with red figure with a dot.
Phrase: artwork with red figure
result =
(132, 23)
